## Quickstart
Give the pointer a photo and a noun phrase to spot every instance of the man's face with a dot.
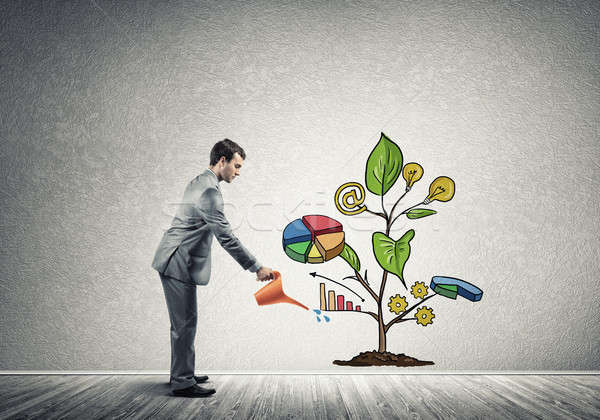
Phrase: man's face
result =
(232, 168)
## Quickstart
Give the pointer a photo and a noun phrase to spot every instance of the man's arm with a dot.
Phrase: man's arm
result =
(211, 207)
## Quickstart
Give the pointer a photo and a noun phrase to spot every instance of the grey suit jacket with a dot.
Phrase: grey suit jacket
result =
(184, 251)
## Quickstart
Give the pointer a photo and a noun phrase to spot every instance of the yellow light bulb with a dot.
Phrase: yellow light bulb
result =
(441, 189)
(411, 172)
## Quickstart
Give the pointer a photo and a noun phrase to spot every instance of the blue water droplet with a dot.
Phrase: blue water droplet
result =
(318, 319)
(318, 312)
(326, 318)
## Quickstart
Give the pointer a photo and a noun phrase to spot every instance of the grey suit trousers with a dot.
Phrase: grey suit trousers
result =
(183, 313)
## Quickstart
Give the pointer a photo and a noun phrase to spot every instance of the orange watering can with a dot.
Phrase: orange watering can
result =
(273, 293)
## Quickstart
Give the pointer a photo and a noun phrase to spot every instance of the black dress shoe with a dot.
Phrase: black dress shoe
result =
(194, 391)
(199, 379)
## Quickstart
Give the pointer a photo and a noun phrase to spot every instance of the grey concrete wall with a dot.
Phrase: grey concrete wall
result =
(108, 109)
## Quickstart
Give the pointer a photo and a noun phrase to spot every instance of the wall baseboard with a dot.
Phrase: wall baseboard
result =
(224, 372)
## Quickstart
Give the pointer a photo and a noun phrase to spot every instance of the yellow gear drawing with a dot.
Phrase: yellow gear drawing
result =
(425, 316)
(419, 290)
(397, 304)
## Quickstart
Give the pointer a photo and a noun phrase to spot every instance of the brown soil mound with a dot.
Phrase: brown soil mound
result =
(375, 358)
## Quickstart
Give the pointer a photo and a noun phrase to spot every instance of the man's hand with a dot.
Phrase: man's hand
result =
(264, 274)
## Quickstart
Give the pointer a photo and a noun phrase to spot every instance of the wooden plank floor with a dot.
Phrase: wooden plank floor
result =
(304, 397)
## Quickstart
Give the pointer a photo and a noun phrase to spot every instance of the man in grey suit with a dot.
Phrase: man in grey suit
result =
(183, 259)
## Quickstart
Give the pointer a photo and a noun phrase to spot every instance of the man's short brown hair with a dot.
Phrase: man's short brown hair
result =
(225, 148)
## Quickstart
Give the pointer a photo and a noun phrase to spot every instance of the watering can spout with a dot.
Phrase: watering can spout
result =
(273, 293)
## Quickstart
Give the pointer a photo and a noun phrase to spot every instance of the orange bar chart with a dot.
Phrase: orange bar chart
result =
(331, 302)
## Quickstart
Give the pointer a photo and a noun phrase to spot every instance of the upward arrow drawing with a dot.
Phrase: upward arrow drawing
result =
(314, 274)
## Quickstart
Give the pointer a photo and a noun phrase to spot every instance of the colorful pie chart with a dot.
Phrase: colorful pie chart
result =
(313, 239)
(451, 287)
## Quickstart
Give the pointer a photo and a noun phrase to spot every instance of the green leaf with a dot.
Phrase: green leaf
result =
(350, 256)
(384, 166)
(392, 255)
(418, 213)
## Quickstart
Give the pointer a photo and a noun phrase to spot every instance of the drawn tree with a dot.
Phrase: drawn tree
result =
(383, 168)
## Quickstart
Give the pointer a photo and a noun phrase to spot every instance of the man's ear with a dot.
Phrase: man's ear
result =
(223, 160)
